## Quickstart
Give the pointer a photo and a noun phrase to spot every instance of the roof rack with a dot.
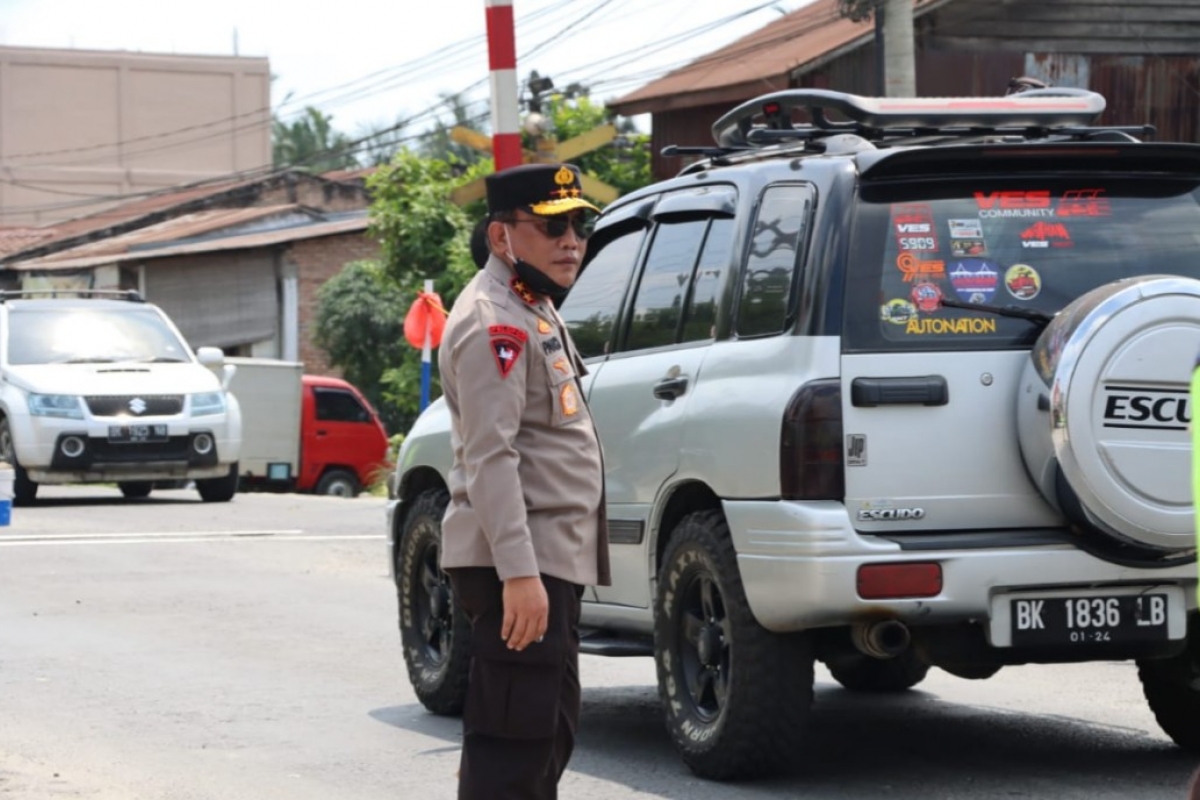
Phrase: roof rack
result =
(768, 119)
(132, 295)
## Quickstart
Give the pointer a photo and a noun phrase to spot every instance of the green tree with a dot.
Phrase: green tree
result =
(359, 319)
(309, 142)
(424, 236)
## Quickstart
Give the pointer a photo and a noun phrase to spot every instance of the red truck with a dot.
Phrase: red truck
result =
(305, 433)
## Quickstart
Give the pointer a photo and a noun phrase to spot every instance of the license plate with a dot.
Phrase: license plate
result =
(1089, 620)
(133, 434)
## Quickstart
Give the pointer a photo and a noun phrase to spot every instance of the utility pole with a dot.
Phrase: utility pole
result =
(895, 64)
(899, 59)
(502, 63)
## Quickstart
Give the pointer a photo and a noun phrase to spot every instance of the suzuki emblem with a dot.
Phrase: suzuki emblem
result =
(137, 405)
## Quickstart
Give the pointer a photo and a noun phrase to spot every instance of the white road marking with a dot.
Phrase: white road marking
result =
(173, 537)
(148, 533)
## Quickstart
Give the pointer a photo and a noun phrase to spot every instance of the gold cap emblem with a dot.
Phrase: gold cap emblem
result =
(564, 177)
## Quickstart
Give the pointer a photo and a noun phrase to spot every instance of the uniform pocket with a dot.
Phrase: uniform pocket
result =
(513, 700)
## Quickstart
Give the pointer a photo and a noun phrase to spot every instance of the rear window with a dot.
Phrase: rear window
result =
(1029, 244)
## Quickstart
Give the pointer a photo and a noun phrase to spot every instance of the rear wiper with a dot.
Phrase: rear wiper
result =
(1043, 319)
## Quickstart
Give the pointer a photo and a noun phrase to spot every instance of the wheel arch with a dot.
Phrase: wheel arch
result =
(679, 501)
(412, 484)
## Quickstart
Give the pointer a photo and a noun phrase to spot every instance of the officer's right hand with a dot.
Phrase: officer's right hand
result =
(526, 612)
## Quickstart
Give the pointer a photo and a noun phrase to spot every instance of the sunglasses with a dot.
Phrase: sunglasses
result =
(556, 227)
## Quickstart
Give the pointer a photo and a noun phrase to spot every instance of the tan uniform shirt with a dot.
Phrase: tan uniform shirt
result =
(527, 485)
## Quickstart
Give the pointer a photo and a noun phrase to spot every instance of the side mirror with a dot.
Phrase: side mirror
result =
(211, 357)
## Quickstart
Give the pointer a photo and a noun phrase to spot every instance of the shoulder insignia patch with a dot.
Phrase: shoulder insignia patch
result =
(543, 326)
(506, 342)
(522, 291)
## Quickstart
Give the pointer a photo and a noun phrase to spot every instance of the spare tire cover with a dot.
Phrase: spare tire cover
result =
(1104, 400)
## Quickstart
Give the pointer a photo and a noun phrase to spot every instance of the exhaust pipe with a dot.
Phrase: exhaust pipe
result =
(884, 639)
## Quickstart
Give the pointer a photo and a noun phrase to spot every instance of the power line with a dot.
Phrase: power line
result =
(363, 143)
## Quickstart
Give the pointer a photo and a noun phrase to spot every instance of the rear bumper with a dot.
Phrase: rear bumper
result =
(799, 564)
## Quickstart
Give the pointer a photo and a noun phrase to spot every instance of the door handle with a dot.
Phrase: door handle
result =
(925, 390)
(670, 388)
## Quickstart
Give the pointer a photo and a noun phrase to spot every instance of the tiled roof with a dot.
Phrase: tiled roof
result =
(204, 232)
(148, 209)
(759, 62)
(15, 239)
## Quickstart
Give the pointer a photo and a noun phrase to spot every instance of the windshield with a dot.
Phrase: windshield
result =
(66, 335)
(1032, 245)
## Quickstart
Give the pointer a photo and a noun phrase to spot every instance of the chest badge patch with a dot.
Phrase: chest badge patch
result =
(569, 400)
(562, 366)
(506, 342)
(543, 326)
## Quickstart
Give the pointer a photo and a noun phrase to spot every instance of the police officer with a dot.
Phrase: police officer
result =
(525, 530)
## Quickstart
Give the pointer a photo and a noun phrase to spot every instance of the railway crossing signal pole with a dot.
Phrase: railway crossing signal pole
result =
(502, 63)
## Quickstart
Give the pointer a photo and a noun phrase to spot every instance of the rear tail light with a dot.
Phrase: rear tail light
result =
(810, 444)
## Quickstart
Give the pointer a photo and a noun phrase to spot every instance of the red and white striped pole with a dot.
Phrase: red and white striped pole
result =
(502, 61)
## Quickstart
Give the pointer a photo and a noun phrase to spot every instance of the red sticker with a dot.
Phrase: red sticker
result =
(914, 227)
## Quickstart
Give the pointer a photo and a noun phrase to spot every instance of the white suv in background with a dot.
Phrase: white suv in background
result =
(903, 391)
(101, 387)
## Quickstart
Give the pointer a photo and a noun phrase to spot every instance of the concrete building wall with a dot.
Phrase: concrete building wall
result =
(79, 129)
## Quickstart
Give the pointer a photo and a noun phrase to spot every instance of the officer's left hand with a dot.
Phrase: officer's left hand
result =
(526, 612)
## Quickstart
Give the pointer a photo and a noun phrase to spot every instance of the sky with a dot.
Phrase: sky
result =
(371, 64)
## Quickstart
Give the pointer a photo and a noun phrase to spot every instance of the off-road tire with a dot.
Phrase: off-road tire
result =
(219, 490)
(434, 632)
(861, 673)
(736, 696)
(338, 483)
(135, 490)
(24, 490)
(1169, 685)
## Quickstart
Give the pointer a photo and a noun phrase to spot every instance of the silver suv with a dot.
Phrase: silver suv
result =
(902, 386)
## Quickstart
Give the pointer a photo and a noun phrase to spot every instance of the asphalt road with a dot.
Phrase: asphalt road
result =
(175, 649)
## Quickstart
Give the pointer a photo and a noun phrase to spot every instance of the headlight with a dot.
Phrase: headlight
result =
(208, 403)
(65, 406)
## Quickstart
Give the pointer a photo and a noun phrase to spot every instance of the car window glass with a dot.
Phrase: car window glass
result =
(770, 266)
(1031, 245)
(700, 316)
(592, 307)
(338, 405)
(658, 303)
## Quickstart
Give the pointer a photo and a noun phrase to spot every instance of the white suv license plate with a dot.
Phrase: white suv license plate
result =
(133, 434)
(1091, 619)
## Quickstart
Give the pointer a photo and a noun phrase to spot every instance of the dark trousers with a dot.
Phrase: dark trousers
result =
(522, 709)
